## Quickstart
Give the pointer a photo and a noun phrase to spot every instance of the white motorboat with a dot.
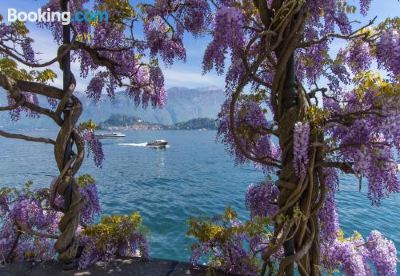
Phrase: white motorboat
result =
(110, 135)
(157, 143)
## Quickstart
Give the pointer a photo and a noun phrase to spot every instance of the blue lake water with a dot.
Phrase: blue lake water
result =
(195, 176)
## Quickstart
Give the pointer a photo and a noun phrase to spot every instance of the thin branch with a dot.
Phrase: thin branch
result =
(27, 138)
(14, 106)
(345, 167)
(39, 88)
(353, 35)
(59, 56)
(45, 111)
(27, 86)
(341, 147)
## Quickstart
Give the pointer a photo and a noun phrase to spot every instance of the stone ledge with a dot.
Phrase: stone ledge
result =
(133, 267)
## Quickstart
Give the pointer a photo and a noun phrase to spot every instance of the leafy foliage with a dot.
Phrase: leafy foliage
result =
(231, 245)
(115, 235)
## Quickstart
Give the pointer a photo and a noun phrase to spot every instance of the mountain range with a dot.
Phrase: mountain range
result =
(183, 104)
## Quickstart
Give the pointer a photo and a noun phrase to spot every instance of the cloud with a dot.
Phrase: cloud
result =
(191, 78)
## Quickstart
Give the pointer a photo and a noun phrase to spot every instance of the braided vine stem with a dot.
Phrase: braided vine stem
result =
(67, 244)
(67, 161)
(296, 222)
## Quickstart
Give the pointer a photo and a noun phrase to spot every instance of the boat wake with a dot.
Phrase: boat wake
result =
(133, 144)
(141, 145)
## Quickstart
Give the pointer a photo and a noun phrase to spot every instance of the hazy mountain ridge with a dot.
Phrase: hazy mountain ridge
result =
(183, 104)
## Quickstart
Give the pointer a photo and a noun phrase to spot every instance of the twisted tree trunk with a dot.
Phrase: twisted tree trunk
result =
(290, 115)
(68, 161)
(305, 193)
(300, 196)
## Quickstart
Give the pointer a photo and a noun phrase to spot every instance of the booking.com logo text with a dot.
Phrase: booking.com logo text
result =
(50, 16)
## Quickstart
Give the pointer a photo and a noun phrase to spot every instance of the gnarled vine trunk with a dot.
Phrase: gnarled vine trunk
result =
(68, 161)
(297, 228)
(299, 194)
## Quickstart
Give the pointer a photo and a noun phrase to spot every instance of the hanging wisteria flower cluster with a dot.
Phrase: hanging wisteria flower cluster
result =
(262, 199)
(301, 143)
(248, 141)
(94, 146)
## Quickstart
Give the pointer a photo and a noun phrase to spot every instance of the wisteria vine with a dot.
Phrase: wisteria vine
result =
(275, 54)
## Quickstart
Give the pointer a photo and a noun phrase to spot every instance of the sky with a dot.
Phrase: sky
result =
(186, 74)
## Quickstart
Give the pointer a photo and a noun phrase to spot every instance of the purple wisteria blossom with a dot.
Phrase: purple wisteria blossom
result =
(359, 56)
(262, 199)
(92, 204)
(328, 215)
(388, 51)
(227, 34)
(94, 147)
(383, 254)
(301, 143)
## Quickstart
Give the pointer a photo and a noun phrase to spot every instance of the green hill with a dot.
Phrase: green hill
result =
(198, 123)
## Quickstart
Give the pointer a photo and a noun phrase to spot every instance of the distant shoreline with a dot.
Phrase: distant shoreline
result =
(151, 129)
(118, 122)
